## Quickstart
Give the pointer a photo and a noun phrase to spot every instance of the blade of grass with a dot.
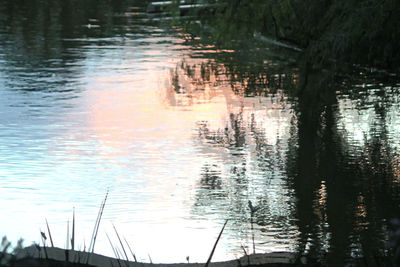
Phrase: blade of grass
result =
(37, 246)
(120, 256)
(120, 241)
(252, 234)
(97, 224)
(44, 238)
(215, 245)
(48, 230)
(245, 253)
(244, 250)
(133, 254)
(85, 254)
(96, 228)
(67, 243)
(115, 251)
(252, 211)
(112, 246)
(73, 230)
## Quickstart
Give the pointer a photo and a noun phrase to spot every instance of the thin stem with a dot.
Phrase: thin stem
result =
(215, 245)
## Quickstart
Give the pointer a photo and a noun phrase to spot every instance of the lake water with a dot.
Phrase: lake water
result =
(97, 96)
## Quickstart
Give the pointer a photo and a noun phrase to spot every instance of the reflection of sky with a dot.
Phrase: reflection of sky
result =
(117, 131)
(361, 122)
(254, 169)
(356, 122)
(177, 163)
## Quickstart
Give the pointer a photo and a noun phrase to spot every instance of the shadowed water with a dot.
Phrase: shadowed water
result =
(97, 96)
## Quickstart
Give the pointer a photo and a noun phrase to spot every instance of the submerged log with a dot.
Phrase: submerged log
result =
(275, 42)
(184, 6)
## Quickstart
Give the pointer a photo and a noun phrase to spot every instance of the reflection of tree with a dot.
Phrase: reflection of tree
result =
(192, 83)
(233, 135)
(196, 80)
(254, 164)
(252, 157)
(210, 179)
(341, 192)
(39, 51)
(314, 162)
(345, 192)
(252, 173)
(346, 189)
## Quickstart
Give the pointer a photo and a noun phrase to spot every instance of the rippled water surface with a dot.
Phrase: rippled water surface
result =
(104, 97)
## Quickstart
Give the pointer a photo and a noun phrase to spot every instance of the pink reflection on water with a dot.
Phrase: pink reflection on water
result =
(145, 124)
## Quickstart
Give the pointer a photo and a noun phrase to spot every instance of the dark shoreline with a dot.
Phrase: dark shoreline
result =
(31, 257)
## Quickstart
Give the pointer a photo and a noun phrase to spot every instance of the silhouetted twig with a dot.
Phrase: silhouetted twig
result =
(96, 227)
(252, 211)
(48, 230)
(120, 241)
(215, 245)
(73, 230)
(133, 254)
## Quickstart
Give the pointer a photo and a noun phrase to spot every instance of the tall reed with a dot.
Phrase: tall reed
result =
(215, 245)
(73, 230)
(96, 228)
(122, 245)
(48, 231)
(252, 211)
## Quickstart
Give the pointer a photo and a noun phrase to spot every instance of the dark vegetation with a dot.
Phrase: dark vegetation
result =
(345, 46)
(9, 257)
(335, 39)
(362, 32)
(321, 156)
